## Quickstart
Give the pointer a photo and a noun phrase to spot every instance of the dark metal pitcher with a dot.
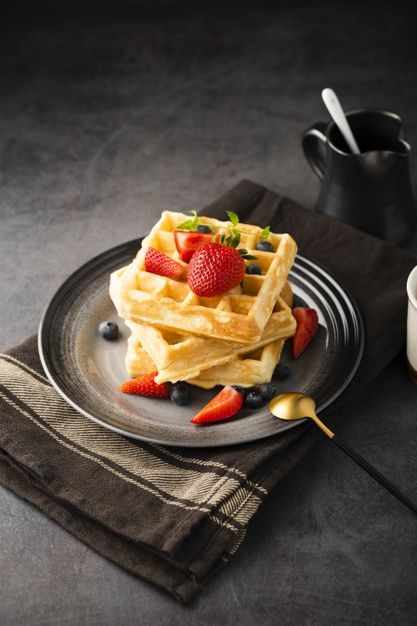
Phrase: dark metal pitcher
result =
(371, 190)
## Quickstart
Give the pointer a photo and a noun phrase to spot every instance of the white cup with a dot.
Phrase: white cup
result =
(412, 323)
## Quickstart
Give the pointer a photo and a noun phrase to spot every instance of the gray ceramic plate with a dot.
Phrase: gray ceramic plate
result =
(86, 370)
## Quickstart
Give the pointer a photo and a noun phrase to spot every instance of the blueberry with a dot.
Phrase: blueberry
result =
(265, 246)
(243, 392)
(180, 394)
(268, 391)
(253, 269)
(202, 228)
(254, 400)
(109, 330)
(282, 372)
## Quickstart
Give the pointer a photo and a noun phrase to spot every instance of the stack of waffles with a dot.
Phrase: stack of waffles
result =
(232, 339)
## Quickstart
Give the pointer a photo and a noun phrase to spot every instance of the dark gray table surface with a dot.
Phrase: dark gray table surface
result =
(108, 117)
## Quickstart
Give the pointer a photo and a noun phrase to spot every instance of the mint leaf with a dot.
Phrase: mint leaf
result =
(235, 239)
(244, 254)
(190, 224)
(233, 218)
(266, 232)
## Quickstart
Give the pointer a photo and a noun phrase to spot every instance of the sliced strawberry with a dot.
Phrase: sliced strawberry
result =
(187, 242)
(145, 386)
(223, 406)
(157, 262)
(307, 325)
(215, 269)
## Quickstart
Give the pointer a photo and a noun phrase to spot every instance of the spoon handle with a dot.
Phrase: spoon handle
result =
(335, 109)
(370, 469)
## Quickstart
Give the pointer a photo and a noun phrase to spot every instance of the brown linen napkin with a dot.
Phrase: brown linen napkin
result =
(173, 516)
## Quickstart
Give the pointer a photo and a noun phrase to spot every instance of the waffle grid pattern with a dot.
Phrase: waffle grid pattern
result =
(238, 316)
(246, 370)
(233, 339)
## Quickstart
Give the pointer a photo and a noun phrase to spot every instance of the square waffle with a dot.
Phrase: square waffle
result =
(246, 370)
(238, 316)
(179, 356)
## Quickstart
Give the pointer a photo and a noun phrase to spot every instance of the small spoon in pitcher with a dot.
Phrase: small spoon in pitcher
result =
(296, 406)
(338, 115)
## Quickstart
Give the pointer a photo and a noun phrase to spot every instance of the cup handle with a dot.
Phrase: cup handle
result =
(314, 144)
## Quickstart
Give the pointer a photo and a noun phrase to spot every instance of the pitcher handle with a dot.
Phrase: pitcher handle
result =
(314, 144)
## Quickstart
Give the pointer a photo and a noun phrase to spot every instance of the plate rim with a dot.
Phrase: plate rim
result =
(135, 242)
(361, 329)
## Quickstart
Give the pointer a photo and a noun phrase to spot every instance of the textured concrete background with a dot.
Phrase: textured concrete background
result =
(109, 116)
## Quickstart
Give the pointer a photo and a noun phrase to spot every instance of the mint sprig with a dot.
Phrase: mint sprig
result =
(233, 239)
(244, 254)
(233, 218)
(266, 232)
(190, 224)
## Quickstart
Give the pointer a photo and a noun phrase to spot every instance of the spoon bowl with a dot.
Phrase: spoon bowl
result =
(292, 406)
(296, 406)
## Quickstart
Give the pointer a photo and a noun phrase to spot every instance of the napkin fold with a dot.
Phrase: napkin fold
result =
(175, 516)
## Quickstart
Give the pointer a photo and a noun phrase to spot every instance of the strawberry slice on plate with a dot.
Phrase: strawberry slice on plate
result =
(145, 385)
(156, 262)
(307, 326)
(223, 406)
(187, 242)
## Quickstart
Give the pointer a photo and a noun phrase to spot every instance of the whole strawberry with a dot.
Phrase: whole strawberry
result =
(215, 269)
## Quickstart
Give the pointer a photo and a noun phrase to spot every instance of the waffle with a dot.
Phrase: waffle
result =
(253, 368)
(238, 316)
(179, 356)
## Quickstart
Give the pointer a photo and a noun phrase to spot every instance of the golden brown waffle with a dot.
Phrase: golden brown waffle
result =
(179, 356)
(182, 357)
(250, 369)
(238, 316)
(253, 368)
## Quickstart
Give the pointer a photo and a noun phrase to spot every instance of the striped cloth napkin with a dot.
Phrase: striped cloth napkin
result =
(175, 516)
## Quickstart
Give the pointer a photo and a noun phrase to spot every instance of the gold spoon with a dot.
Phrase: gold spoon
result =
(296, 406)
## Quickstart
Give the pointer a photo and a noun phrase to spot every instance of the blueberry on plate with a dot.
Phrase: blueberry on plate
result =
(242, 390)
(180, 394)
(253, 268)
(265, 246)
(282, 372)
(203, 228)
(108, 330)
(254, 400)
(268, 391)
